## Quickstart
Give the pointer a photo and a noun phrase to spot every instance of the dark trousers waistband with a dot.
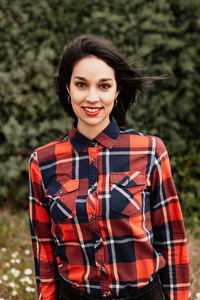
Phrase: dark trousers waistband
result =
(153, 291)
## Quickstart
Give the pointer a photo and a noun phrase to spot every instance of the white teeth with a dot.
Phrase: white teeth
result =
(92, 109)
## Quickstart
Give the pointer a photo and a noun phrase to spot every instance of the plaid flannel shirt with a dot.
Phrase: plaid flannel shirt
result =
(105, 215)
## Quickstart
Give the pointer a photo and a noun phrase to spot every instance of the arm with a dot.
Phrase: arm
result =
(168, 228)
(43, 242)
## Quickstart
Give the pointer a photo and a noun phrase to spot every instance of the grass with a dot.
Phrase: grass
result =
(194, 253)
(17, 276)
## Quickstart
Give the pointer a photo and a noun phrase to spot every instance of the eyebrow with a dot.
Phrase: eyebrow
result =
(101, 80)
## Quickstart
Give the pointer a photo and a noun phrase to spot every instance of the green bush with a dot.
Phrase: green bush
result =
(160, 37)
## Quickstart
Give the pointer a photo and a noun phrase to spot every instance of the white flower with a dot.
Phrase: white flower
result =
(15, 254)
(14, 293)
(3, 249)
(5, 277)
(26, 279)
(23, 279)
(15, 261)
(198, 295)
(29, 281)
(7, 264)
(15, 272)
(12, 284)
(27, 271)
(30, 289)
(27, 252)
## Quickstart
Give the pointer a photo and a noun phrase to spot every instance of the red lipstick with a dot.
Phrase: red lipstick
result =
(91, 111)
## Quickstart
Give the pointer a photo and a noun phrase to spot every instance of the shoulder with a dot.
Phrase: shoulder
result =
(52, 143)
(141, 140)
(51, 150)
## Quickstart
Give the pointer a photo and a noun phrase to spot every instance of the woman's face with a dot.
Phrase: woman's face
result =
(93, 90)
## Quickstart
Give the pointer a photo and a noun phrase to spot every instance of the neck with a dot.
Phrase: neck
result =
(91, 131)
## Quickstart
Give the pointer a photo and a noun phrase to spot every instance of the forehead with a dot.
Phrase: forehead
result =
(93, 67)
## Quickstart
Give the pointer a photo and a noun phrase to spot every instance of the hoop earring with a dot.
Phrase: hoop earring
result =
(116, 102)
(69, 99)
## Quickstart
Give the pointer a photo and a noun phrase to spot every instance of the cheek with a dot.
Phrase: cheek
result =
(110, 99)
(75, 107)
(76, 97)
(75, 102)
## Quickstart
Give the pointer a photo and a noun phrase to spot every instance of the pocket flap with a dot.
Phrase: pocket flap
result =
(129, 179)
(64, 194)
(62, 187)
(71, 185)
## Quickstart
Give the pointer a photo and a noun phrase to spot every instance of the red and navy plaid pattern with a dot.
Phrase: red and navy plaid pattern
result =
(105, 215)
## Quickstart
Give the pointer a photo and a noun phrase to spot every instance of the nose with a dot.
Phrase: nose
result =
(92, 95)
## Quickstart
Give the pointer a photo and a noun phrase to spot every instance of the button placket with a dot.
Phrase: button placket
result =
(93, 218)
(99, 257)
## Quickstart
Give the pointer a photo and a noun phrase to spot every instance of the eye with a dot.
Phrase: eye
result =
(105, 86)
(80, 84)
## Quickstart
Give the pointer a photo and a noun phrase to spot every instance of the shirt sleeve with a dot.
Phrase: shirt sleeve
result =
(43, 243)
(168, 228)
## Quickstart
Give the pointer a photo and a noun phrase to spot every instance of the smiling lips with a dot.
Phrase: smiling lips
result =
(92, 111)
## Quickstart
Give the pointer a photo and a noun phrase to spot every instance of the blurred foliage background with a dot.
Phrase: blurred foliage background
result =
(157, 36)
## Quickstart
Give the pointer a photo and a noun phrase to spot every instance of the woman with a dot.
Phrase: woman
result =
(105, 217)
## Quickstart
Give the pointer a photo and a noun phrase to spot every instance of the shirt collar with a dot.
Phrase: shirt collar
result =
(106, 138)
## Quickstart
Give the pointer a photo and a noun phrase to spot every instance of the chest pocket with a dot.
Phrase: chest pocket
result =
(126, 193)
(63, 200)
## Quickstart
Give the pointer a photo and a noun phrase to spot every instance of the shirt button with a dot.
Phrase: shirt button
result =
(60, 191)
(105, 294)
(93, 159)
(97, 243)
(93, 216)
(92, 143)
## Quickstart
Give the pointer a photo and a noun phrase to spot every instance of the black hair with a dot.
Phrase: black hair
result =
(129, 82)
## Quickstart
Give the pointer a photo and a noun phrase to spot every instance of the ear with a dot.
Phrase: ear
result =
(117, 93)
(67, 87)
